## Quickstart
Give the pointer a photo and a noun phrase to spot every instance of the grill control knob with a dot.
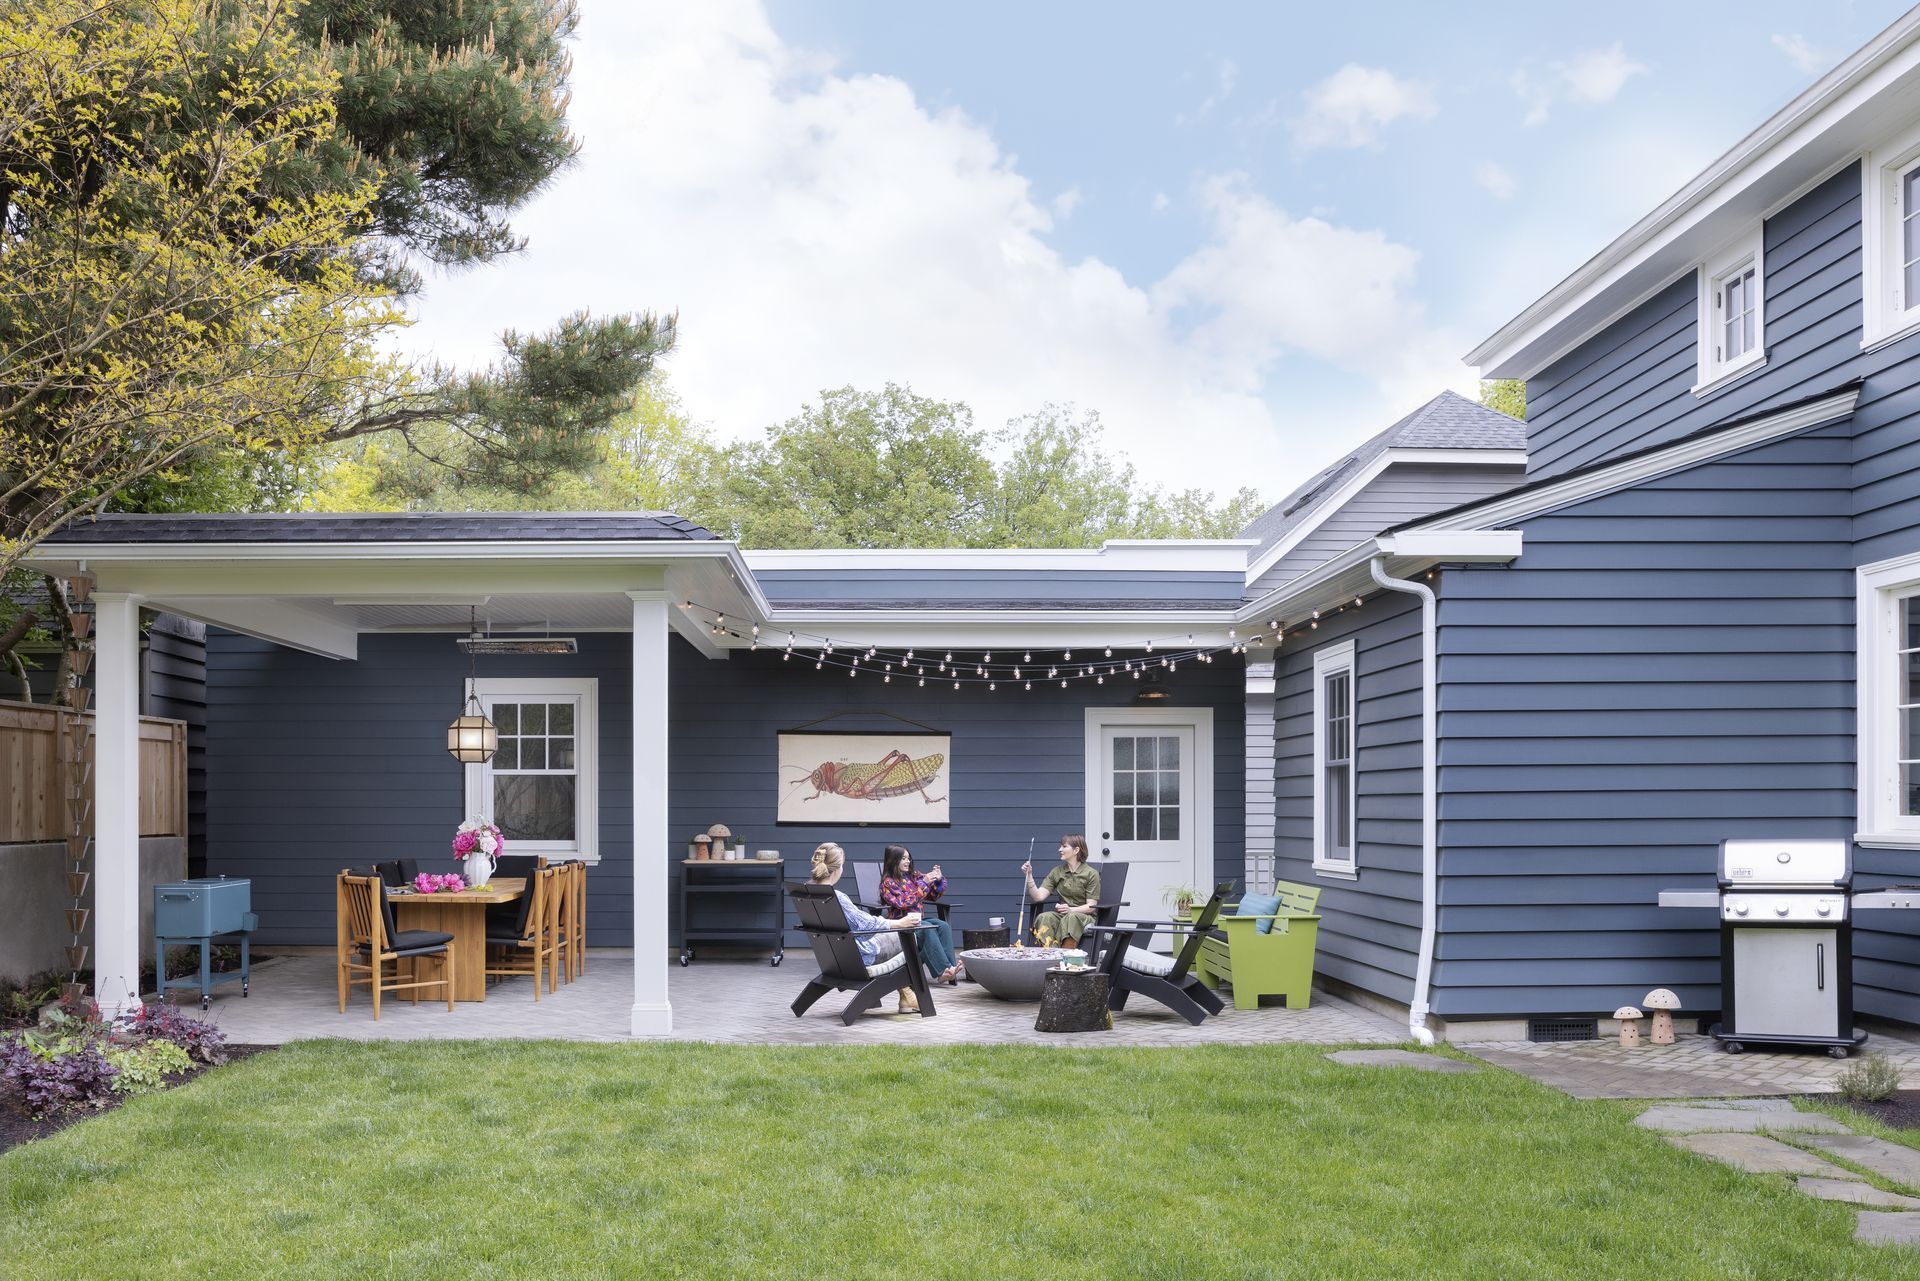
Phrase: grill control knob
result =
(1781, 910)
(1740, 909)
(1783, 857)
(1825, 909)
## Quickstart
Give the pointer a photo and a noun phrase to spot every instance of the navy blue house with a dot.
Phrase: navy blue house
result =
(1491, 685)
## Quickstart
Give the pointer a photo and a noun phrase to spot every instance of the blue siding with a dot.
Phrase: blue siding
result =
(930, 587)
(1371, 932)
(314, 765)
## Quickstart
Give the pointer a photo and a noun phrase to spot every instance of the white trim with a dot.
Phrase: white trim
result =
(1204, 783)
(1819, 125)
(1878, 590)
(1216, 555)
(1351, 488)
(116, 801)
(1659, 462)
(586, 755)
(1462, 546)
(1712, 370)
(1331, 660)
(652, 1011)
(282, 622)
(1888, 315)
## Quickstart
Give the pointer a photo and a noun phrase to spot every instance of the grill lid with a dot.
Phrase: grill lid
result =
(1785, 864)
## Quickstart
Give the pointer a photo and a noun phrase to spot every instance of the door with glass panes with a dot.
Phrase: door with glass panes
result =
(1147, 816)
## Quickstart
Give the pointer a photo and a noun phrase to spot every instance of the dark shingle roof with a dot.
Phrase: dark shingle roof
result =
(383, 527)
(1448, 421)
(940, 602)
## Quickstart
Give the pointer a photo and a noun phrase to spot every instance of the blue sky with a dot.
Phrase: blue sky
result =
(1247, 235)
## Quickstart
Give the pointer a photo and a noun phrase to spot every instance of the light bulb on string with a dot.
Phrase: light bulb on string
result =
(1027, 657)
(1069, 656)
(1109, 651)
(1029, 684)
(1063, 684)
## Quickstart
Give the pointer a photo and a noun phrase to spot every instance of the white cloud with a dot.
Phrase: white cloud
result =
(1226, 76)
(1807, 59)
(1160, 201)
(1350, 107)
(1066, 202)
(816, 228)
(1497, 182)
(1593, 76)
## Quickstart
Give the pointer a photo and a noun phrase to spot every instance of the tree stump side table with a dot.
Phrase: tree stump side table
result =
(1074, 1001)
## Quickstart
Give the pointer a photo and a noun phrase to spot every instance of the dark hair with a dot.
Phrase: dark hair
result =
(893, 854)
(1079, 843)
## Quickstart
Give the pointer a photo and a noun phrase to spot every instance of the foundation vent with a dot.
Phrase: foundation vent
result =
(1563, 1029)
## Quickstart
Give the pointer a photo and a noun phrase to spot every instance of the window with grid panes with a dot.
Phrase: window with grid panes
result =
(1146, 787)
(535, 774)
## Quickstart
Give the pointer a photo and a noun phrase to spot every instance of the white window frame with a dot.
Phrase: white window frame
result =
(1888, 314)
(585, 690)
(1330, 660)
(1712, 370)
(1880, 590)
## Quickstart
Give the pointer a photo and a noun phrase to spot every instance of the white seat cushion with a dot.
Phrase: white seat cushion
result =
(891, 964)
(1141, 961)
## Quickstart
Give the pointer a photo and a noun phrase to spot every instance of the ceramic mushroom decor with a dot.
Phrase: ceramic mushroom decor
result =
(1629, 1025)
(1663, 1003)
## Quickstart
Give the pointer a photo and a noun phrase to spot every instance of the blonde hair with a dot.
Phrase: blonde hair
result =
(828, 858)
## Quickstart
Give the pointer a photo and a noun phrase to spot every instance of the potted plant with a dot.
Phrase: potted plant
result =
(1182, 897)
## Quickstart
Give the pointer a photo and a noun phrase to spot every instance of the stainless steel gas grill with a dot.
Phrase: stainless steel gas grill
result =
(1786, 943)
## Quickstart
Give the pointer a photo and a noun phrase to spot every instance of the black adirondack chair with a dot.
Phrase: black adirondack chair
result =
(825, 924)
(866, 884)
(1106, 912)
(1168, 980)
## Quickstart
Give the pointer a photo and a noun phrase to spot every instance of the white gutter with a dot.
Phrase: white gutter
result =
(1429, 794)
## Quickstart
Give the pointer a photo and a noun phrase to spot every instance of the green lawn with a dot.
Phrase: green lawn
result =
(526, 1159)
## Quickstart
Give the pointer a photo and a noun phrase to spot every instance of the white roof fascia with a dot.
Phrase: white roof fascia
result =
(1628, 472)
(1226, 555)
(1339, 580)
(1526, 344)
(1350, 489)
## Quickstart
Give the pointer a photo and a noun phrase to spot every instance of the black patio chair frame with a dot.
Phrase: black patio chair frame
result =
(1180, 989)
(1106, 912)
(835, 949)
(867, 878)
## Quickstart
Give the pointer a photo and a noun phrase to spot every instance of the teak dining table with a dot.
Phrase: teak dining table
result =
(463, 914)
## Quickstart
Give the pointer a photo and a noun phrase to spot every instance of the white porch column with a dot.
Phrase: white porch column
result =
(116, 800)
(652, 1013)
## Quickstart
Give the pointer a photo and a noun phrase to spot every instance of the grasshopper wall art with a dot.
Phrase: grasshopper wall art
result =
(876, 777)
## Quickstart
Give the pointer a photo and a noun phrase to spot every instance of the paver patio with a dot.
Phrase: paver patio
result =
(739, 1001)
(1693, 1067)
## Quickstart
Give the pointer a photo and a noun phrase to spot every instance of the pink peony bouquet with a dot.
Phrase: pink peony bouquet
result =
(478, 834)
(434, 883)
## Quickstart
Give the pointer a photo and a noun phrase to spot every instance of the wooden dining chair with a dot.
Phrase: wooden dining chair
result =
(526, 947)
(562, 909)
(577, 932)
(365, 940)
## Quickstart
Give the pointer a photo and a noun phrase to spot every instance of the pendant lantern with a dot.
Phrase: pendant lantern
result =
(472, 739)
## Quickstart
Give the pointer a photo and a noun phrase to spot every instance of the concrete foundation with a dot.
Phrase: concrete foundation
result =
(33, 901)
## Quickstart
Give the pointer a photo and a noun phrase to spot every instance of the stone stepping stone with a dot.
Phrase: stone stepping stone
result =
(1693, 1120)
(1401, 1058)
(1742, 1105)
(1758, 1154)
(1888, 1227)
(1890, 1161)
(1856, 1193)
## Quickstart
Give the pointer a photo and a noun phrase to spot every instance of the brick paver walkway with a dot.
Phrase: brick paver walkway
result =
(1693, 1067)
(738, 1001)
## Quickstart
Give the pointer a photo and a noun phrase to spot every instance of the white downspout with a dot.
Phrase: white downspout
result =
(1429, 793)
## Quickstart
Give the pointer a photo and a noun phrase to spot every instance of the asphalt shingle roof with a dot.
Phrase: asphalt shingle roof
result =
(382, 527)
(1448, 421)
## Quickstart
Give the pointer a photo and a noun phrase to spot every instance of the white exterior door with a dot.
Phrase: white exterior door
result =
(1150, 801)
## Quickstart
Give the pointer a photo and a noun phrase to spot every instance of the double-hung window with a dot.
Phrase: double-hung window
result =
(1732, 332)
(1887, 630)
(542, 786)
(1891, 239)
(1333, 759)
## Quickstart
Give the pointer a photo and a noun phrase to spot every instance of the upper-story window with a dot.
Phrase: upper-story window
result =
(1891, 215)
(1732, 334)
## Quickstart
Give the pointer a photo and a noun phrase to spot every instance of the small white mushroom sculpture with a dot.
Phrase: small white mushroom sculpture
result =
(1663, 1003)
(1629, 1025)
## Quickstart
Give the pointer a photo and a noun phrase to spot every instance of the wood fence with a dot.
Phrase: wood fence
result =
(31, 808)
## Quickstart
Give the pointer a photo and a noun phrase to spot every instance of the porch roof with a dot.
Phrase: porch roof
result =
(378, 527)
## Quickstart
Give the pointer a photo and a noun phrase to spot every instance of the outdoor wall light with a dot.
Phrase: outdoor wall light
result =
(1153, 692)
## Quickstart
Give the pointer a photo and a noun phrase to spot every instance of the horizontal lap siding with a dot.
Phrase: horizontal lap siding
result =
(314, 765)
(1630, 386)
(1370, 934)
(1601, 731)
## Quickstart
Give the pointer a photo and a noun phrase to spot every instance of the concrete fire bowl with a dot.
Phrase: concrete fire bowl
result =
(1013, 973)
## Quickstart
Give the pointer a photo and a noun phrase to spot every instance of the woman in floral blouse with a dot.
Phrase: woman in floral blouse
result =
(902, 891)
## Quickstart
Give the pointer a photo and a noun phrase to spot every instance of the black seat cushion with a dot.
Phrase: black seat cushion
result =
(410, 941)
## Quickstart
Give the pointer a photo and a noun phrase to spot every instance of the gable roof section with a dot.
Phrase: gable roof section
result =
(1871, 93)
(1627, 470)
(381, 527)
(1449, 423)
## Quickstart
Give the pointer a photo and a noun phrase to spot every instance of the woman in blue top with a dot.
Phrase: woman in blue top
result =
(829, 860)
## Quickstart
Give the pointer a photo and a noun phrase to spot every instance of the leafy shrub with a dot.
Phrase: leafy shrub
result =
(145, 1067)
(1869, 1079)
(45, 1083)
(202, 1040)
(21, 999)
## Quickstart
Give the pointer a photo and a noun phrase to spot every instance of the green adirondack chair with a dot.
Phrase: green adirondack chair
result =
(1277, 963)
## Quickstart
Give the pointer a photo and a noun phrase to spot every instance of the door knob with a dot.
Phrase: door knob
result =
(1104, 851)
(1106, 836)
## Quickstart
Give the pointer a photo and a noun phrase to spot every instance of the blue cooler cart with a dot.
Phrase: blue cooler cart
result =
(199, 911)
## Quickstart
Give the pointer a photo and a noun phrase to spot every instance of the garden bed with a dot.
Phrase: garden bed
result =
(1900, 1111)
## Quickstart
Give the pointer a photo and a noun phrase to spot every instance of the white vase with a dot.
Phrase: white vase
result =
(479, 868)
